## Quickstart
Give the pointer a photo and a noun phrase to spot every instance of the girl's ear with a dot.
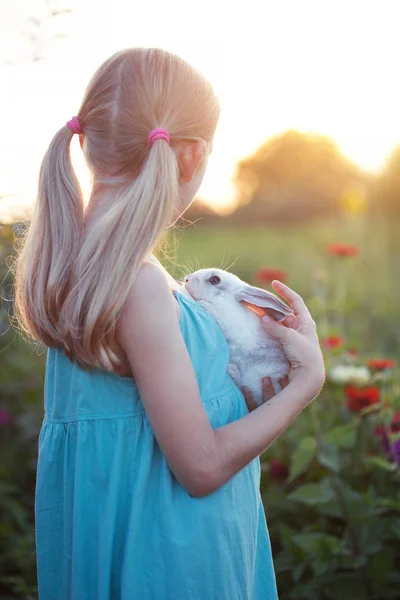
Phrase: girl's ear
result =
(190, 154)
(267, 301)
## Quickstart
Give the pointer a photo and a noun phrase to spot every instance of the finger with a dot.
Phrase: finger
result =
(289, 321)
(284, 381)
(267, 389)
(278, 330)
(248, 396)
(295, 300)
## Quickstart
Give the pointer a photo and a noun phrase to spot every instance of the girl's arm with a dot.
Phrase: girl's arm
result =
(202, 459)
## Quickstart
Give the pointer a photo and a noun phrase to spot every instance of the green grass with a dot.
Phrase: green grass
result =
(360, 296)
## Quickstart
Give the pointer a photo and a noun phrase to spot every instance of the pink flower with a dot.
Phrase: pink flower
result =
(5, 417)
(278, 470)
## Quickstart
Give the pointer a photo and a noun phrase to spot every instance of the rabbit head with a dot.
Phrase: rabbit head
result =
(217, 290)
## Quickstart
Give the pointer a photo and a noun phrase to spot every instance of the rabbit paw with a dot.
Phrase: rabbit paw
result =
(234, 372)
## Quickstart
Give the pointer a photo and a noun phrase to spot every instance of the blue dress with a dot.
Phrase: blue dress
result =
(112, 522)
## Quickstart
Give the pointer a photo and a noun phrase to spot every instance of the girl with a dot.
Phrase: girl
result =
(148, 470)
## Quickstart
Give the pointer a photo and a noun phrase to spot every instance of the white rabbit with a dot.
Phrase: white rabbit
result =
(253, 352)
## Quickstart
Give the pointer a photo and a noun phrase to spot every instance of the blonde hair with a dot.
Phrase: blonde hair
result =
(70, 289)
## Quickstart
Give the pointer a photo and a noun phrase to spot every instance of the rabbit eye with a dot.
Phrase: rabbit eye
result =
(214, 280)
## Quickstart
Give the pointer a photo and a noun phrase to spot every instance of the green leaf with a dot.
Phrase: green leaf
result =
(394, 577)
(286, 536)
(283, 562)
(349, 494)
(305, 590)
(381, 564)
(346, 585)
(343, 436)
(329, 457)
(380, 463)
(302, 457)
(298, 571)
(391, 528)
(330, 508)
(387, 416)
(389, 503)
(349, 562)
(318, 543)
(313, 493)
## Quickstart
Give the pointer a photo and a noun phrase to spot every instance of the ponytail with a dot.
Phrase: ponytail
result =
(109, 261)
(50, 245)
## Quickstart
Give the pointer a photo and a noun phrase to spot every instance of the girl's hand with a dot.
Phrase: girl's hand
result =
(267, 392)
(298, 335)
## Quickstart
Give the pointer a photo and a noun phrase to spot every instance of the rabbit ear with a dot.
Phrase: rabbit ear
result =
(271, 304)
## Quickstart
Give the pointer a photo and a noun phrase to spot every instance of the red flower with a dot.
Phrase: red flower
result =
(380, 364)
(333, 341)
(395, 424)
(352, 351)
(360, 398)
(5, 416)
(267, 275)
(342, 249)
(278, 469)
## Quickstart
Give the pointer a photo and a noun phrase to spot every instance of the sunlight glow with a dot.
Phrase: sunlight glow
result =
(330, 68)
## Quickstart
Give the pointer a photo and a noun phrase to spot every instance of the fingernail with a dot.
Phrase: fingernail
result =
(266, 319)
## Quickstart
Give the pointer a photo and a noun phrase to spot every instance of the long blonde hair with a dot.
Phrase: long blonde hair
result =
(70, 289)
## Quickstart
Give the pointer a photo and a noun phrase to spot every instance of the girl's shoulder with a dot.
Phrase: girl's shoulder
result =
(149, 299)
(151, 282)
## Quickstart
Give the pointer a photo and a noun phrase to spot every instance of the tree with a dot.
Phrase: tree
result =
(385, 197)
(295, 175)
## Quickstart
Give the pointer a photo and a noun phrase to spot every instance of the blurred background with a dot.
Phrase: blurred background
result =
(303, 185)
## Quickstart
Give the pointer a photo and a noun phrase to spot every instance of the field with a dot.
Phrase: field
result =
(357, 298)
(330, 483)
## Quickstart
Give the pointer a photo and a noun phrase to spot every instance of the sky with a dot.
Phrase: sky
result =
(329, 67)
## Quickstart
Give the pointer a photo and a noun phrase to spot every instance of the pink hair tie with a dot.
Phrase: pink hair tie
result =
(74, 125)
(157, 134)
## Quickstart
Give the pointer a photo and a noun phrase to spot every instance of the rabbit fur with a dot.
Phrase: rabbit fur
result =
(254, 354)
